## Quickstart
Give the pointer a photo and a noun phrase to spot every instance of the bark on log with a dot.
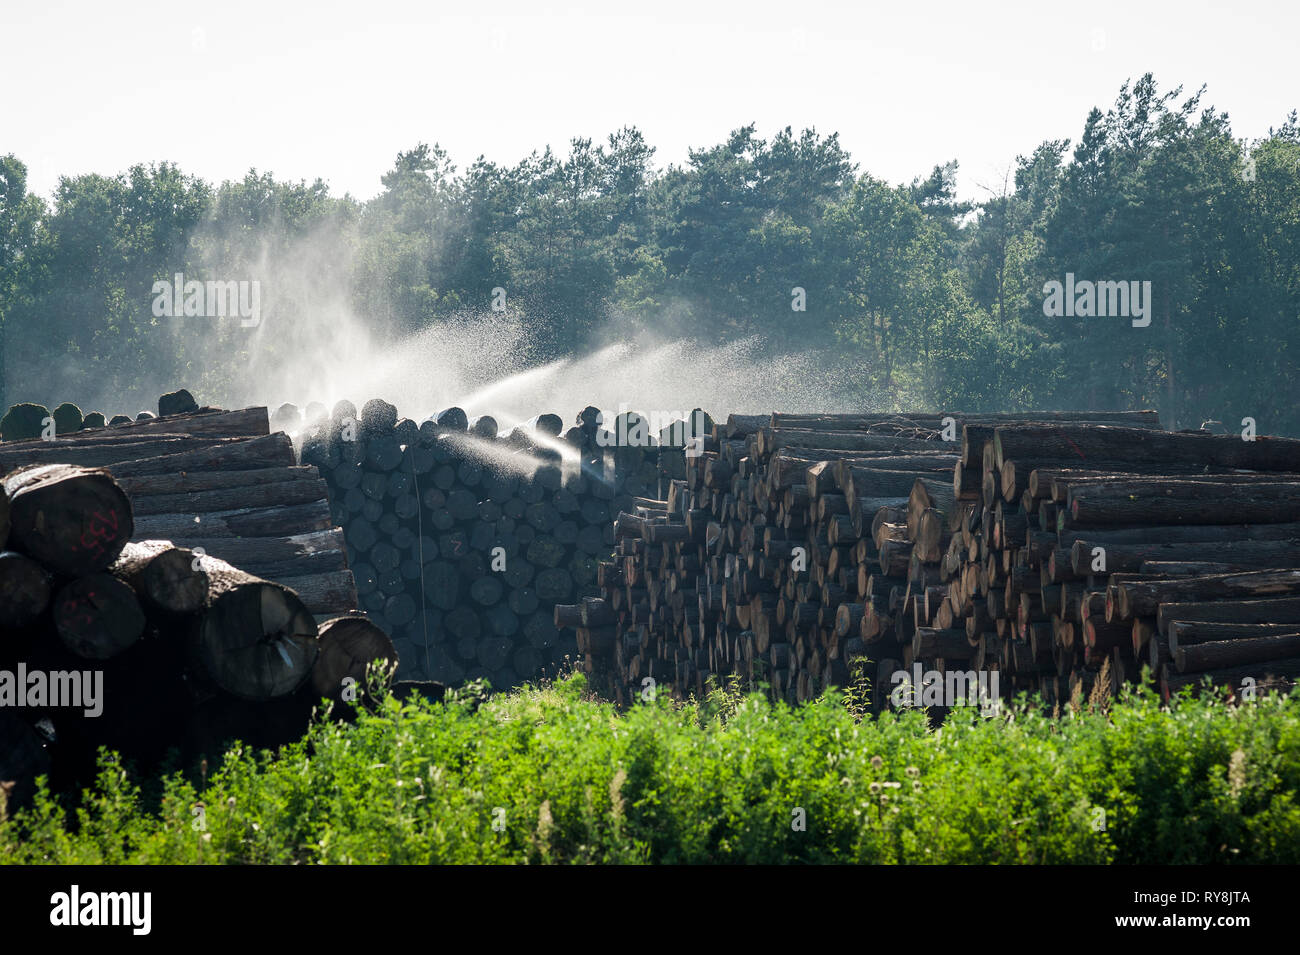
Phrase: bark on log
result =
(260, 551)
(102, 451)
(1276, 610)
(277, 494)
(1222, 654)
(72, 520)
(244, 522)
(327, 592)
(269, 451)
(1186, 633)
(1174, 534)
(164, 577)
(1277, 675)
(771, 440)
(1145, 448)
(1121, 558)
(186, 482)
(1182, 502)
(1143, 598)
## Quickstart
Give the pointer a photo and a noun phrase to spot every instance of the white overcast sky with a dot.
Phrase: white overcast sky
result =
(335, 90)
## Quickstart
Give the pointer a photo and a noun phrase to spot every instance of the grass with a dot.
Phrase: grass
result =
(548, 775)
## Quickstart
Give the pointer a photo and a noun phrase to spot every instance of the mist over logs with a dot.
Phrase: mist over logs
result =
(463, 536)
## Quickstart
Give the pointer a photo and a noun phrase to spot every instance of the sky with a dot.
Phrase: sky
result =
(335, 90)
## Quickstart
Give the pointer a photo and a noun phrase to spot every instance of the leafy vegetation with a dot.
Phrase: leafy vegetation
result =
(547, 775)
(933, 301)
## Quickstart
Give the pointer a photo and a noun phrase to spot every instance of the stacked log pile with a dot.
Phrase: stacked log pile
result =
(145, 646)
(220, 483)
(463, 537)
(1052, 552)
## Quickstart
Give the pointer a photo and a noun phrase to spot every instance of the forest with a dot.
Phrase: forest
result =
(930, 300)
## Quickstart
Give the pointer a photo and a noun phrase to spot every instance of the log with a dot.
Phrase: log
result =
(102, 451)
(740, 425)
(451, 419)
(269, 451)
(255, 639)
(187, 482)
(287, 418)
(279, 521)
(72, 520)
(244, 423)
(177, 403)
(1174, 534)
(1122, 558)
(1221, 654)
(165, 577)
(1190, 632)
(484, 426)
(1146, 449)
(25, 590)
(378, 418)
(328, 592)
(546, 424)
(950, 644)
(1278, 610)
(1063, 481)
(1182, 502)
(348, 646)
(859, 482)
(23, 421)
(1279, 675)
(224, 499)
(98, 616)
(771, 440)
(262, 551)
(1143, 598)
(928, 494)
(1195, 568)
(67, 418)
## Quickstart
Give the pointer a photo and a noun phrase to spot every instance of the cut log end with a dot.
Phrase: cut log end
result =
(98, 616)
(256, 641)
(348, 646)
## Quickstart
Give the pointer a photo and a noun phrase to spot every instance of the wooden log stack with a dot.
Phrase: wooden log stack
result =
(798, 545)
(220, 483)
(463, 535)
(146, 646)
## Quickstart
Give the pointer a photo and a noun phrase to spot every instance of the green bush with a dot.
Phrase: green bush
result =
(547, 775)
